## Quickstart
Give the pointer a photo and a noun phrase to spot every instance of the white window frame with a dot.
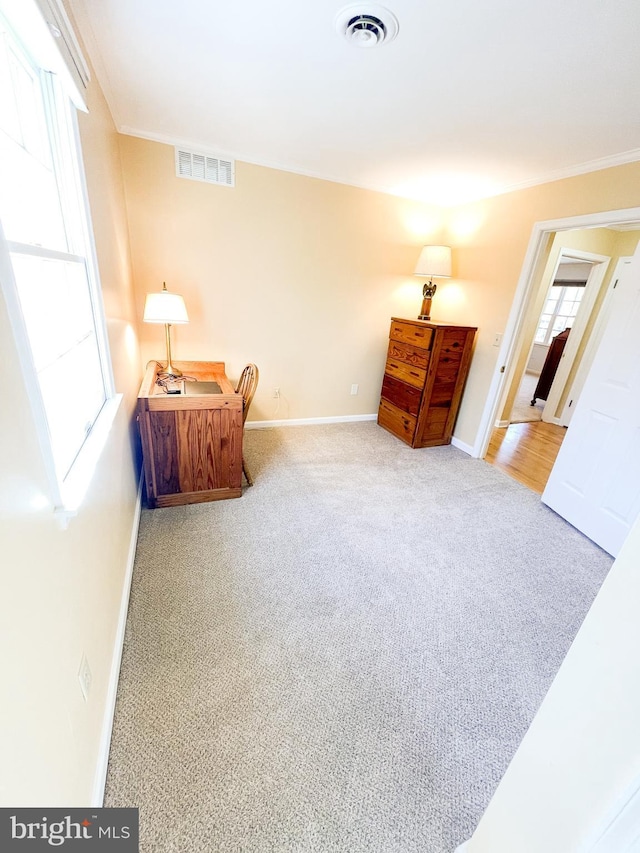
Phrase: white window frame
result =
(563, 288)
(66, 493)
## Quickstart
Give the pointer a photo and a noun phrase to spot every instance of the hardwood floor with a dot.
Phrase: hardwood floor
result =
(526, 452)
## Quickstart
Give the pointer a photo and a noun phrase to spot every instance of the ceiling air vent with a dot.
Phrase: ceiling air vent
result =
(365, 25)
(205, 167)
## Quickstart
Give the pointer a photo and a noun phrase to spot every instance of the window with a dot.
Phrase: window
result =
(51, 281)
(560, 311)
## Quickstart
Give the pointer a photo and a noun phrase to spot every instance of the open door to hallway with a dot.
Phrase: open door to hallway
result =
(595, 483)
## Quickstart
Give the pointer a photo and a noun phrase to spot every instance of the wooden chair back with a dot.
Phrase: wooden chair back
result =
(246, 386)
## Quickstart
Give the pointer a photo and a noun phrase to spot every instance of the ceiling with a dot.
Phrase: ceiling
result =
(472, 98)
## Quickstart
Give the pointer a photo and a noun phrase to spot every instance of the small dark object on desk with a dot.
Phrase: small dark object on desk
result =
(171, 385)
(187, 386)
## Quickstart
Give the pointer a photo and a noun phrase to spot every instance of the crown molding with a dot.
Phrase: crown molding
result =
(609, 162)
(207, 148)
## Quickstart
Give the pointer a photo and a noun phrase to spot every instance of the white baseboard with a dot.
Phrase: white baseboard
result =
(338, 419)
(100, 778)
(462, 445)
(502, 424)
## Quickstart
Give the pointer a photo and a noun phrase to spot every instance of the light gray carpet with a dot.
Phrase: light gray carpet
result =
(346, 658)
(522, 411)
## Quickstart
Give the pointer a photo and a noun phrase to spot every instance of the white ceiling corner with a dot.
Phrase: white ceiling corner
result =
(470, 99)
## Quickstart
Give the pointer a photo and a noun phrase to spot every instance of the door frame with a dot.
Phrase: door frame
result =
(534, 260)
(592, 289)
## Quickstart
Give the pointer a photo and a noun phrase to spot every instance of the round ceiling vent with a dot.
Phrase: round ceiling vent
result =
(366, 25)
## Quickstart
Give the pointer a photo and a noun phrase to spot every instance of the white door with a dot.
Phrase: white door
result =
(594, 342)
(595, 483)
(619, 830)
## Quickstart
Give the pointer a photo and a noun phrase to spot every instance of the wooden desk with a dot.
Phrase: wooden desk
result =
(191, 445)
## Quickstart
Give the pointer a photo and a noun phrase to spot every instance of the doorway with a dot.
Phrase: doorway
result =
(526, 309)
(568, 301)
(564, 303)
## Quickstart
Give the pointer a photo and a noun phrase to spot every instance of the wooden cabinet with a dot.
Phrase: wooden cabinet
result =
(550, 368)
(427, 365)
(191, 444)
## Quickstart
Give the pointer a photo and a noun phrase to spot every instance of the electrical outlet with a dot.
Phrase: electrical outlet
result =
(497, 339)
(276, 393)
(84, 677)
(354, 389)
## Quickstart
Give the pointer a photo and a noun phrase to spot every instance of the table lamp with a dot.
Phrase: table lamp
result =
(434, 262)
(167, 308)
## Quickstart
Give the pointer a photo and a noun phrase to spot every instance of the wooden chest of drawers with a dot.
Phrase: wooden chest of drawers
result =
(427, 365)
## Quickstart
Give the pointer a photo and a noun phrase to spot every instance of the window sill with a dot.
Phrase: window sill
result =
(73, 489)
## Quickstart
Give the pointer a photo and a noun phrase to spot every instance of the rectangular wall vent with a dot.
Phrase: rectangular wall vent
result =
(205, 167)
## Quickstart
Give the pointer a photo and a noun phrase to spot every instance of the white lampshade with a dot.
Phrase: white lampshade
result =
(165, 307)
(434, 261)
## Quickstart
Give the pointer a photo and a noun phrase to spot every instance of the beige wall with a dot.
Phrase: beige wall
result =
(490, 240)
(301, 275)
(298, 275)
(61, 589)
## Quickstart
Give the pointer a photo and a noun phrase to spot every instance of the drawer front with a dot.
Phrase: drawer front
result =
(447, 369)
(406, 372)
(405, 397)
(415, 356)
(445, 381)
(407, 333)
(435, 427)
(397, 422)
(453, 343)
(209, 449)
